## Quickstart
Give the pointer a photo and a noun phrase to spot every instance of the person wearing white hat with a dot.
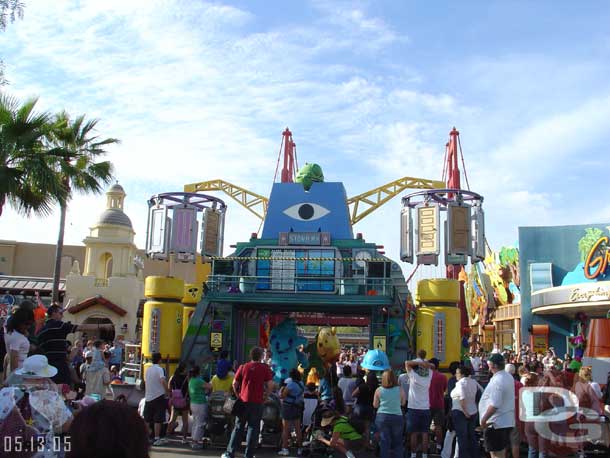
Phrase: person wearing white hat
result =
(48, 413)
(36, 367)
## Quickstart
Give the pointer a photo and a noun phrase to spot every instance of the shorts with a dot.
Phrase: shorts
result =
(496, 440)
(438, 417)
(515, 437)
(418, 421)
(155, 410)
(291, 412)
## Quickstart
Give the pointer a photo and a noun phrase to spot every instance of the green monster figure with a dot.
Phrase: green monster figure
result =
(308, 174)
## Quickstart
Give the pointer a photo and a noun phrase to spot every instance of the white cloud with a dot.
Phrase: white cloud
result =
(199, 90)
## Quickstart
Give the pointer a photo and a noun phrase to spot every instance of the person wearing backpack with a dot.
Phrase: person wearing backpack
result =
(388, 400)
(178, 401)
(292, 395)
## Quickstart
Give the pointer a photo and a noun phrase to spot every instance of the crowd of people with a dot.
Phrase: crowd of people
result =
(497, 402)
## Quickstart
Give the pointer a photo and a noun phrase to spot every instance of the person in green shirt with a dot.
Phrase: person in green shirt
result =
(345, 438)
(199, 405)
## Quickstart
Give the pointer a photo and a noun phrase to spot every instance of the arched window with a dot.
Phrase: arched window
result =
(106, 264)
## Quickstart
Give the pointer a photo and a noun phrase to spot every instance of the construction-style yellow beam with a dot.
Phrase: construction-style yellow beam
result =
(253, 202)
(366, 203)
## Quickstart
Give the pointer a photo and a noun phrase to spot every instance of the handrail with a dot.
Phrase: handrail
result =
(361, 286)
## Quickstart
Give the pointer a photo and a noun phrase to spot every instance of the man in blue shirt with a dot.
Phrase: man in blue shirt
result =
(116, 354)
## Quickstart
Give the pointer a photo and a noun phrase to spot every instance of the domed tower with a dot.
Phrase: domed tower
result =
(110, 249)
(109, 290)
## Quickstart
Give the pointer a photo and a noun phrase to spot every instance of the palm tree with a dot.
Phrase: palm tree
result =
(28, 180)
(77, 151)
(592, 235)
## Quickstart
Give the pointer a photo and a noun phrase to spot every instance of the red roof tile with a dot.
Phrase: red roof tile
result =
(97, 300)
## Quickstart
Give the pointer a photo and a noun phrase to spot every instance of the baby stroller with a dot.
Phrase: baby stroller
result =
(271, 431)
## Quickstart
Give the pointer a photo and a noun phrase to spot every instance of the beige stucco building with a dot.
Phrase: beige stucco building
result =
(111, 285)
(102, 281)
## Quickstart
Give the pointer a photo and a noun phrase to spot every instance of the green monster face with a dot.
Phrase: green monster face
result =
(308, 174)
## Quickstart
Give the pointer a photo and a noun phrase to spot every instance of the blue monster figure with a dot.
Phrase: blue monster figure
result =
(284, 343)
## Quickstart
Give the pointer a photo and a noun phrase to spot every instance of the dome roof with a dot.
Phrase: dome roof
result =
(116, 188)
(115, 216)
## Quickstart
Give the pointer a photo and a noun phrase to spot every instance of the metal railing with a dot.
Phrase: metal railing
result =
(345, 286)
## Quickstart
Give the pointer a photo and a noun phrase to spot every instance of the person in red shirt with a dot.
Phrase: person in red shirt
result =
(438, 386)
(252, 382)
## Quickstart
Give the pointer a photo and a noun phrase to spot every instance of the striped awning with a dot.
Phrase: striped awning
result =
(10, 284)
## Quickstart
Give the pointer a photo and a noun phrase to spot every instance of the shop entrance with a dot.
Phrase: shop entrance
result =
(104, 334)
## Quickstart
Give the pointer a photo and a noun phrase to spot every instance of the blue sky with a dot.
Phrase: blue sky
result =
(201, 90)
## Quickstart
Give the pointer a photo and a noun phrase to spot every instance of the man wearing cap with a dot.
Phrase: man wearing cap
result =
(497, 408)
(52, 341)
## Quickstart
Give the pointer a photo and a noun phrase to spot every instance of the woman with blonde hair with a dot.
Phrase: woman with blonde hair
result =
(388, 400)
(588, 392)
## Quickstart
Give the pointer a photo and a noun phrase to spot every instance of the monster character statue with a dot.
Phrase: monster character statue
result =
(324, 350)
(396, 326)
(308, 174)
(285, 354)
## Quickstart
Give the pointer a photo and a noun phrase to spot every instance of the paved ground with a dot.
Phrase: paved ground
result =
(175, 449)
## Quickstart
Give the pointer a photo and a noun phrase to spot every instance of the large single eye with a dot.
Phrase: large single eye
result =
(306, 212)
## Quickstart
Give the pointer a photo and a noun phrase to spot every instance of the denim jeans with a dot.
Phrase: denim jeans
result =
(532, 452)
(464, 430)
(252, 416)
(390, 428)
(200, 416)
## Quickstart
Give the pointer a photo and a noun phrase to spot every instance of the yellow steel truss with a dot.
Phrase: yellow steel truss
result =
(361, 205)
(366, 203)
(253, 202)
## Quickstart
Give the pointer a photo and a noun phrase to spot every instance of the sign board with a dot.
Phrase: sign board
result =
(184, 231)
(216, 341)
(584, 292)
(157, 236)
(597, 259)
(304, 238)
(379, 343)
(428, 229)
(458, 229)
(212, 232)
(540, 343)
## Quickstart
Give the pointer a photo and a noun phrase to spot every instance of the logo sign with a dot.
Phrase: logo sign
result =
(304, 238)
(379, 343)
(216, 341)
(599, 293)
(544, 408)
(598, 259)
(7, 299)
